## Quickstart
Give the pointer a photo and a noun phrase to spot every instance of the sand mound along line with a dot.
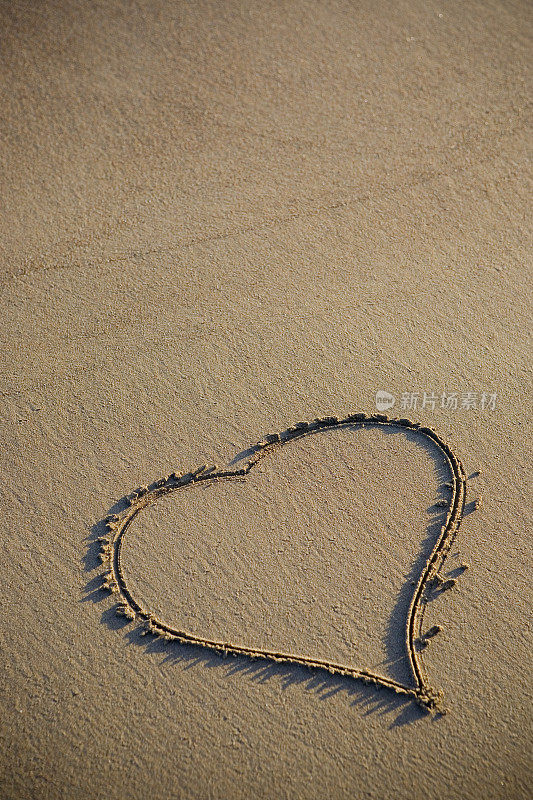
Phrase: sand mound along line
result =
(117, 526)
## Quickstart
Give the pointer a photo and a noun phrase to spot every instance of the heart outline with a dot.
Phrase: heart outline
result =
(117, 525)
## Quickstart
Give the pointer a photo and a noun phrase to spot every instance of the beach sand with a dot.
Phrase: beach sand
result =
(220, 219)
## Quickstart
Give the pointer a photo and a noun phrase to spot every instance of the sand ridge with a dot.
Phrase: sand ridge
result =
(116, 582)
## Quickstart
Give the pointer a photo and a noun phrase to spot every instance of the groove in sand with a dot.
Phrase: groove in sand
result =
(117, 525)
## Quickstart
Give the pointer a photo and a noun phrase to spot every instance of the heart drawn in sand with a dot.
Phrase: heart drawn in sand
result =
(117, 526)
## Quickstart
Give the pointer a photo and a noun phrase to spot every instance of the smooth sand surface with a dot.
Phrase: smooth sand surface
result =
(308, 555)
(219, 219)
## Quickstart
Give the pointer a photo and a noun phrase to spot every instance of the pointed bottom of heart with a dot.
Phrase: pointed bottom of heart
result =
(130, 608)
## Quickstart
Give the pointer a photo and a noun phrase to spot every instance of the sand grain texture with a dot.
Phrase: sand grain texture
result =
(219, 219)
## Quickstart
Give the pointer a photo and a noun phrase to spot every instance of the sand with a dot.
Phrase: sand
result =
(220, 219)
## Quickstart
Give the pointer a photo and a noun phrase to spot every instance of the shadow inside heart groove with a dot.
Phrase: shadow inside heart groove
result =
(305, 551)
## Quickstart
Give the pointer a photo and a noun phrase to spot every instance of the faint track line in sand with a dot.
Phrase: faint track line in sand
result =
(313, 209)
(116, 582)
